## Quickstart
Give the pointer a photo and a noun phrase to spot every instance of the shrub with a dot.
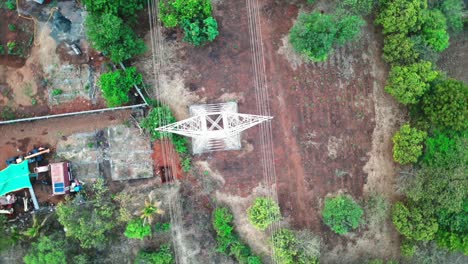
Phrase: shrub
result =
(200, 32)
(10, 4)
(117, 84)
(193, 16)
(399, 49)
(314, 34)
(162, 256)
(284, 246)
(127, 8)
(453, 11)
(407, 248)
(291, 248)
(446, 105)
(413, 223)
(137, 229)
(409, 83)
(342, 214)
(176, 12)
(158, 116)
(46, 251)
(376, 208)
(111, 35)
(228, 242)
(407, 144)
(11, 45)
(358, 7)
(401, 16)
(56, 92)
(91, 222)
(11, 27)
(263, 212)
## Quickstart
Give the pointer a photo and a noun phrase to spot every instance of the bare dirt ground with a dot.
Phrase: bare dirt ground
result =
(332, 121)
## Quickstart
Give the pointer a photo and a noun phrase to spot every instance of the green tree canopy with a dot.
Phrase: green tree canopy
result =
(342, 214)
(409, 83)
(201, 31)
(111, 35)
(413, 223)
(453, 11)
(446, 105)
(117, 84)
(47, 250)
(401, 16)
(90, 222)
(295, 248)
(399, 49)
(263, 212)
(314, 34)
(407, 144)
(434, 30)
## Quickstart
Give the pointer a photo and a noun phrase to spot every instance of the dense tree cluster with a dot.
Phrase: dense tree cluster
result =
(117, 84)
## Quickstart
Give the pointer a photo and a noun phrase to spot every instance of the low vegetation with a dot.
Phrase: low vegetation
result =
(162, 256)
(194, 17)
(263, 212)
(137, 229)
(292, 248)
(117, 84)
(229, 243)
(342, 214)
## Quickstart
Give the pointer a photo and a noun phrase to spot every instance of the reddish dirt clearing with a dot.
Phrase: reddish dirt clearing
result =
(324, 113)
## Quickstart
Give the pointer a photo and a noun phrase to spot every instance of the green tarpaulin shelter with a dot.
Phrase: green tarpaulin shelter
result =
(14, 177)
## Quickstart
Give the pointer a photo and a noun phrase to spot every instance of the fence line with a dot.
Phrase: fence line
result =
(29, 119)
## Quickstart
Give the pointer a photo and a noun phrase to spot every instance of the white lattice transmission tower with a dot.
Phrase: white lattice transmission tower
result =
(214, 127)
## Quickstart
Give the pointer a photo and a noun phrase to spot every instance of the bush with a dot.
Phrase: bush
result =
(358, 7)
(136, 229)
(407, 248)
(446, 105)
(177, 12)
(11, 45)
(127, 8)
(162, 256)
(117, 84)
(10, 4)
(11, 27)
(228, 242)
(342, 214)
(111, 35)
(290, 248)
(407, 144)
(56, 92)
(193, 16)
(409, 83)
(157, 117)
(200, 32)
(413, 223)
(46, 251)
(453, 11)
(314, 34)
(401, 16)
(376, 208)
(91, 222)
(399, 49)
(263, 212)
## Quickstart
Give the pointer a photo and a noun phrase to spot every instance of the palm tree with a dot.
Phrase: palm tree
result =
(151, 208)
